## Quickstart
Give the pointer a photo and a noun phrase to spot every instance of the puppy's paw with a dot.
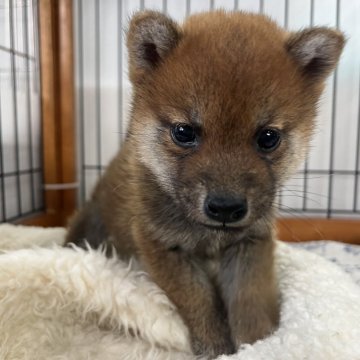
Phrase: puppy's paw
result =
(212, 349)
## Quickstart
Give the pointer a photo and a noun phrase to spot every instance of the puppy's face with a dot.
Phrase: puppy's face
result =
(224, 108)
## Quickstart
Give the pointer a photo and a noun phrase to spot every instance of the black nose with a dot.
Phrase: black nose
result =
(225, 209)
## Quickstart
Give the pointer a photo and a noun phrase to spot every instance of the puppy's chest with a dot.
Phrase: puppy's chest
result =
(210, 265)
(211, 258)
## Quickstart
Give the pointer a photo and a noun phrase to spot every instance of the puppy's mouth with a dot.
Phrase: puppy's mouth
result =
(224, 227)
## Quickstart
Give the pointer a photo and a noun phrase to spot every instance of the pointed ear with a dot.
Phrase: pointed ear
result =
(316, 50)
(151, 37)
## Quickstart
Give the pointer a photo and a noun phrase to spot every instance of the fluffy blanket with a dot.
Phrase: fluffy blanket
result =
(58, 303)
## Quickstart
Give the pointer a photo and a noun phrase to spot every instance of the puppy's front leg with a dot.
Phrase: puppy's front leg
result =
(190, 290)
(249, 290)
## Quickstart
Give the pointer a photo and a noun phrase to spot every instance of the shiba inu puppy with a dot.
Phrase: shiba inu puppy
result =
(222, 113)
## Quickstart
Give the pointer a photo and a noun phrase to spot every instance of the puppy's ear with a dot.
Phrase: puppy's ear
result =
(316, 50)
(150, 38)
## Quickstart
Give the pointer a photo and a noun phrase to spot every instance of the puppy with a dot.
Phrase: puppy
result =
(222, 113)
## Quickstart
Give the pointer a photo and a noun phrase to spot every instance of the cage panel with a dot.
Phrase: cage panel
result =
(20, 123)
(327, 184)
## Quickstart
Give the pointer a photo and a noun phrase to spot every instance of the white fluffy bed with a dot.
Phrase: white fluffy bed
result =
(57, 303)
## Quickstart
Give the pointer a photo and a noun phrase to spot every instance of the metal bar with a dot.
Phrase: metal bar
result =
(319, 211)
(98, 82)
(333, 172)
(357, 160)
(35, 8)
(286, 24)
(306, 165)
(142, 4)
(333, 119)
(28, 104)
(37, 90)
(212, 4)
(2, 183)
(286, 20)
(286, 14)
(236, 4)
(188, 7)
(120, 72)
(14, 91)
(16, 52)
(81, 100)
(312, 12)
(20, 172)
(164, 6)
(261, 6)
(95, 167)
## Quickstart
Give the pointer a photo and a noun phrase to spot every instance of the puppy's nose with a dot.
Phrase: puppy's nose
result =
(225, 209)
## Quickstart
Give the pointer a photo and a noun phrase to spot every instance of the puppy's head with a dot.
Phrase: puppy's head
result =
(223, 108)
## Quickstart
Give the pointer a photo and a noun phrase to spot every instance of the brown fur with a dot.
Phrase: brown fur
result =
(229, 74)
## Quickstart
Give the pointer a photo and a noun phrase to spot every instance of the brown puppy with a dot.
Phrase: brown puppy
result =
(222, 113)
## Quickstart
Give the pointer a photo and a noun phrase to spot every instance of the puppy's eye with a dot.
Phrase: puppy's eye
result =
(268, 140)
(183, 135)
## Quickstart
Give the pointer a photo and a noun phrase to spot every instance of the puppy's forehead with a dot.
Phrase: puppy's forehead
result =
(232, 31)
(226, 64)
(233, 44)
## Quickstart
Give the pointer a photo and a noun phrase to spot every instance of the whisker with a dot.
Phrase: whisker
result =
(302, 191)
(303, 217)
(294, 237)
(302, 197)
